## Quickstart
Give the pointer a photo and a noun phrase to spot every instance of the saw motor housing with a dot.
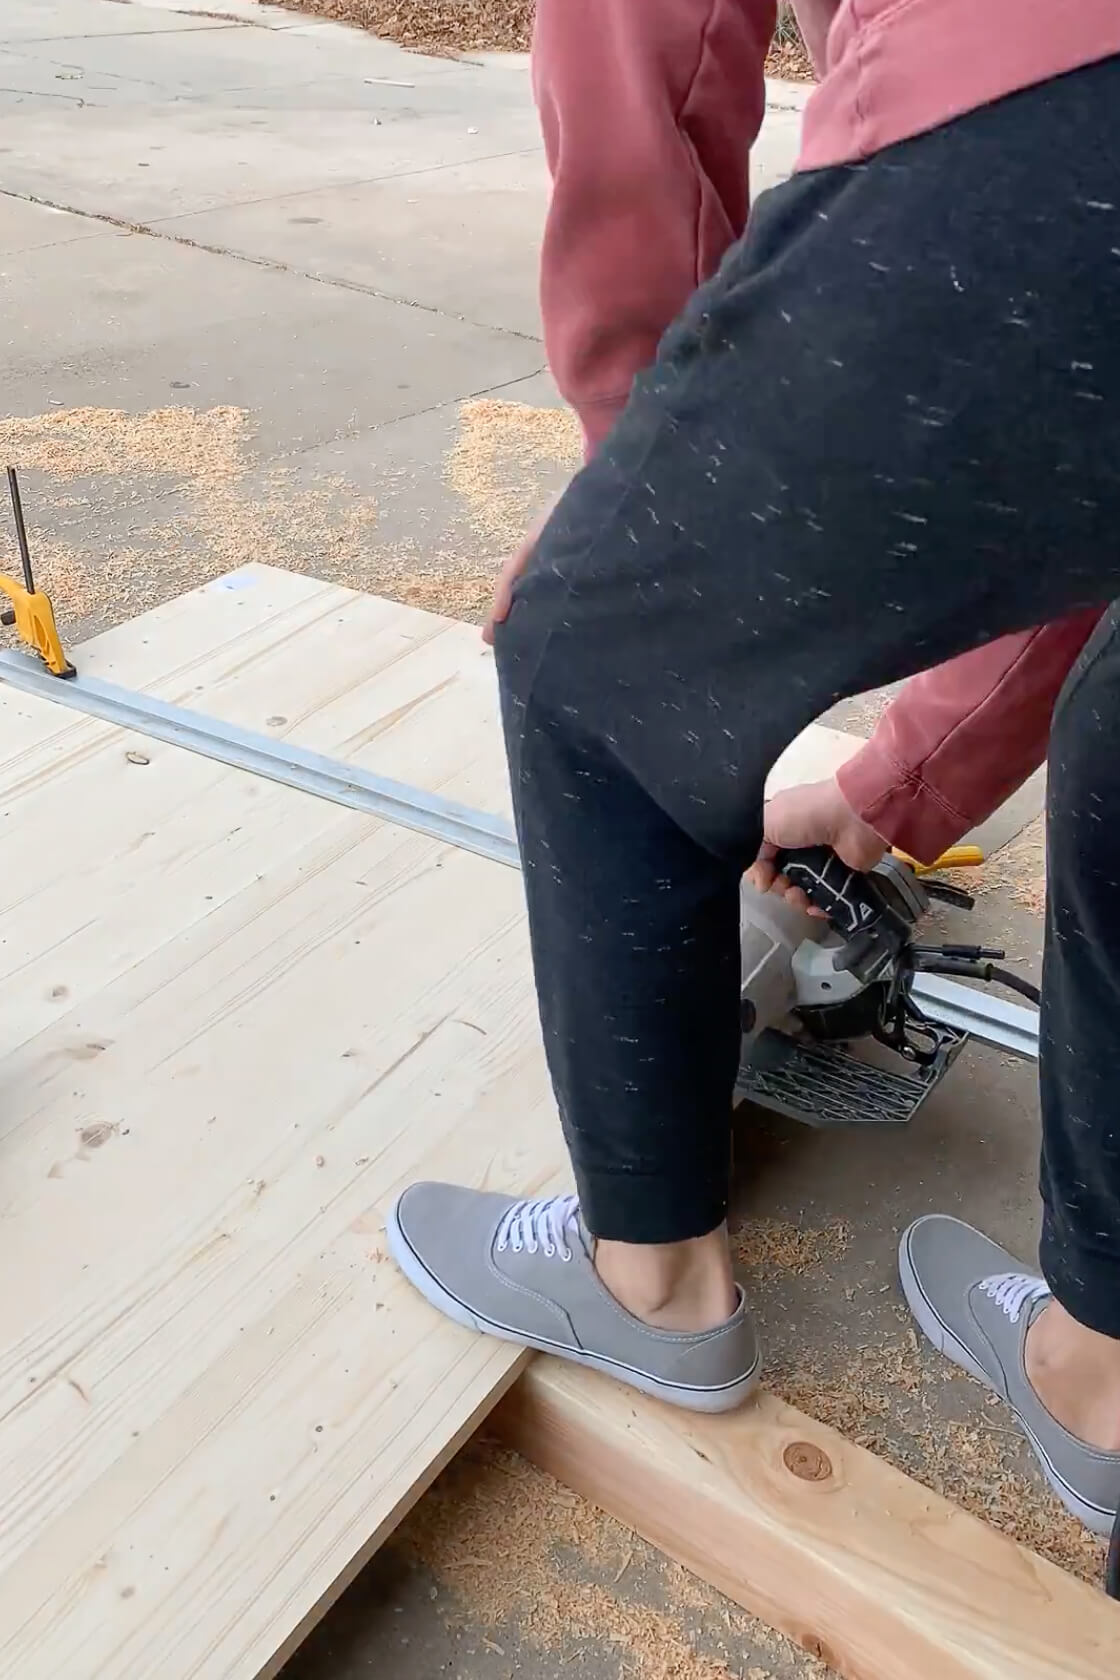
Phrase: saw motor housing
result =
(811, 987)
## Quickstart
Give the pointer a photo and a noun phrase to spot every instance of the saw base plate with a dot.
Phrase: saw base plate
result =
(825, 1085)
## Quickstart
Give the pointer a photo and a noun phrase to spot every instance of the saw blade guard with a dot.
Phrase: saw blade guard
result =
(771, 931)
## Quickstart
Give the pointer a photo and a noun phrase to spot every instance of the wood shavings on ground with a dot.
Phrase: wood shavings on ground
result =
(862, 714)
(440, 581)
(503, 451)
(898, 1399)
(1017, 869)
(72, 581)
(449, 27)
(770, 1247)
(789, 62)
(174, 497)
(517, 1549)
(324, 530)
(184, 443)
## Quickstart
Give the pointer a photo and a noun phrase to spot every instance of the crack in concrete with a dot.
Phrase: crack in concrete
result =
(345, 186)
(352, 432)
(39, 93)
(14, 45)
(274, 265)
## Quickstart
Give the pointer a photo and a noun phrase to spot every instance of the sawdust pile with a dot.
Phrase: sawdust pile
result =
(325, 529)
(516, 1548)
(503, 450)
(903, 1403)
(1018, 869)
(457, 26)
(213, 511)
(862, 714)
(771, 1247)
(896, 1399)
(77, 581)
(183, 443)
(788, 61)
(137, 508)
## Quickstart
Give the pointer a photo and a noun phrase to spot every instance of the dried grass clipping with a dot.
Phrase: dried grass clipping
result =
(457, 26)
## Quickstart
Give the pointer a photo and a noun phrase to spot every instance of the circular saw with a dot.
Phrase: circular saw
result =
(848, 1018)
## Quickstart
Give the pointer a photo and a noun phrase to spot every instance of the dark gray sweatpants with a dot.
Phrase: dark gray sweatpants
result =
(887, 432)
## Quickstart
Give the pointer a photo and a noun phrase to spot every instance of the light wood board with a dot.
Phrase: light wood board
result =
(235, 1021)
(860, 1565)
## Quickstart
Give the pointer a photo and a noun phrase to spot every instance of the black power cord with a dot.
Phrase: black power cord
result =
(991, 973)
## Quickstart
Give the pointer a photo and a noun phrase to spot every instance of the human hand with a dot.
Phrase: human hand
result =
(502, 598)
(816, 814)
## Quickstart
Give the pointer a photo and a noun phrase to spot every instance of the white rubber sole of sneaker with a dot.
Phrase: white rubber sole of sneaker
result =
(943, 1339)
(725, 1399)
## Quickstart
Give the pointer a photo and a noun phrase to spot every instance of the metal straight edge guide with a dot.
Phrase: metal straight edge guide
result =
(991, 1020)
(1006, 1026)
(245, 749)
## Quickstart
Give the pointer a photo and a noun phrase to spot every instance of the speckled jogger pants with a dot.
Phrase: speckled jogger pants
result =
(887, 432)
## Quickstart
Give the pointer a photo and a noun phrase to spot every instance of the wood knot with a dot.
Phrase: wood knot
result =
(807, 1462)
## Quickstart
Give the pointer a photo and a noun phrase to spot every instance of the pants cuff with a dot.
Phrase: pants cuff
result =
(642, 1208)
(1084, 1281)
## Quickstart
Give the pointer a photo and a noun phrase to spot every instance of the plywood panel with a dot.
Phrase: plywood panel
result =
(235, 1020)
(402, 691)
(862, 1566)
(361, 678)
(216, 1391)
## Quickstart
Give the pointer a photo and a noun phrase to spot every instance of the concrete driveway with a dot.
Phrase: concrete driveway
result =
(226, 206)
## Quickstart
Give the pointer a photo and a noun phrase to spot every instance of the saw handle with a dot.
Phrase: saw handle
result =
(852, 902)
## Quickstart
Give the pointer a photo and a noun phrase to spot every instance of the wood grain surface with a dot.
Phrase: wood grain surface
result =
(868, 1570)
(235, 1020)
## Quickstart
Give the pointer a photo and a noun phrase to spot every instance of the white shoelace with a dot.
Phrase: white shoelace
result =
(1013, 1291)
(541, 1225)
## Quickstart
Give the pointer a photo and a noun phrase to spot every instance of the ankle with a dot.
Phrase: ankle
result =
(686, 1286)
(1076, 1374)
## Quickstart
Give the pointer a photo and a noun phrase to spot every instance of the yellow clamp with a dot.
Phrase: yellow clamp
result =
(957, 857)
(32, 616)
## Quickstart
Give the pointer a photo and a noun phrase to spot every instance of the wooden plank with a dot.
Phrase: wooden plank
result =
(860, 1565)
(236, 1021)
(423, 695)
(218, 1394)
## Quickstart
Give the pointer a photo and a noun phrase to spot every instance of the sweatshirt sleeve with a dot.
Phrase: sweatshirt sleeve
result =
(649, 109)
(958, 740)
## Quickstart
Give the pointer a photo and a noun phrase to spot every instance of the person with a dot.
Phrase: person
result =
(880, 437)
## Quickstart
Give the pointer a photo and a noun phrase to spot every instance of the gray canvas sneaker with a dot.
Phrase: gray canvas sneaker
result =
(976, 1306)
(522, 1270)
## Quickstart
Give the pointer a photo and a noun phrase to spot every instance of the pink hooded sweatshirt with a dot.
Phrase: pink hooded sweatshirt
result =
(649, 110)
